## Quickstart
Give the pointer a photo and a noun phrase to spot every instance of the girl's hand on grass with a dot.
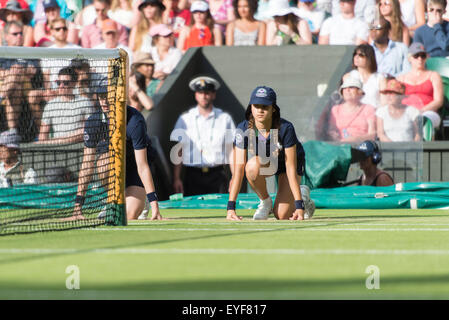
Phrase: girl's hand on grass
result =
(233, 216)
(298, 215)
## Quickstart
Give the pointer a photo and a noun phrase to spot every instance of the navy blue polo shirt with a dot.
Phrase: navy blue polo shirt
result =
(286, 139)
(96, 135)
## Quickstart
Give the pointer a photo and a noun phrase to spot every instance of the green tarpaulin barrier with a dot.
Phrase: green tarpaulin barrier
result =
(54, 196)
(417, 195)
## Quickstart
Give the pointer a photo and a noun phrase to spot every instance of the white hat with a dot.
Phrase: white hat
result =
(352, 82)
(10, 139)
(200, 5)
(433, 117)
(279, 8)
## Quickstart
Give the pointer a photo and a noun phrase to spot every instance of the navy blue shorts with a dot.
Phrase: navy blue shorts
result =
(132, 179)
(300, 166)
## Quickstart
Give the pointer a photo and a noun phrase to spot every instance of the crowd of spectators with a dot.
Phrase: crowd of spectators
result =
(393, 38)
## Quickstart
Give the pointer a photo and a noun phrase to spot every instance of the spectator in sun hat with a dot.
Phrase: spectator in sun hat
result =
(166, 56)
(423, 88)
(266, 145)
(202, 30)
(150, 15)
(286, 27)
(144, 65)
(15, 11)
(344, 28)
(92, 33)
(351, 120)
(434, 35)
(371, 157)
(12, 170)
(395, 120)
(204, 133)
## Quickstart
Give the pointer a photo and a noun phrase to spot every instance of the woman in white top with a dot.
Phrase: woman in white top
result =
(365, 70)
(245, 30)
(413, 14)
(164, 54)
(396, 121)
(122, 12)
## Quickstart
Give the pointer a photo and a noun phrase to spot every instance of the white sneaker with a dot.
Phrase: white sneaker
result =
(309, 204)
(102, 213)
(144, 214)
(264, 209)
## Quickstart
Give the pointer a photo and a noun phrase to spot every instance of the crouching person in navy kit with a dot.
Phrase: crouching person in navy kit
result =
(274, 149)
(205, 134)
(139, 183)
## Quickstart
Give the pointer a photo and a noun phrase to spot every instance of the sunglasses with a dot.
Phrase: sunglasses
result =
(64, 82)
(440, 11)
(15, 34)
(421, 55)
(386, 3)
(60, 28)
(111, 33)
(360, 54)
(102, 96)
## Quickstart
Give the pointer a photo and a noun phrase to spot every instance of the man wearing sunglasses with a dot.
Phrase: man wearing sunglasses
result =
(64, 116)
(13, 34)
(435, 34)
(59, 31)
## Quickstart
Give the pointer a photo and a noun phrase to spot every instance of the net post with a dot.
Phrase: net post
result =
(118, 70)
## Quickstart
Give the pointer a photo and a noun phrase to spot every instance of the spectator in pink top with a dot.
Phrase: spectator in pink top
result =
(222, 11)
(92, 33)
(352, 121)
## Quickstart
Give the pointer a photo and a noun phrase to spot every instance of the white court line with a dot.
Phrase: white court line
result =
(274, 223)
(229, 251)
(302, 229)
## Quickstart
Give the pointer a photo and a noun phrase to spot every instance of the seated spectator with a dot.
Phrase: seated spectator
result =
(110, 35)
(144, 64)
(435, 34)
(391, 11)
(164, 54)
(245, 30)
(423, 88)
(352, 121)
(391, 56)
(121, 12)
(344, 28)
(42, 32)
(13, 11)
(222, 12)
(202, 30)
(37, 6)
(92, 33)
(362, 9)
(60, 32)
(372, 175)
(365, 70)
(413, 14)
(314, 17)
(138, 98)
(175, 17)
(397, 121)
(151, 12)
(64, 116)
(12, 34)
(58, 175)
(287, 27)
(12, 170)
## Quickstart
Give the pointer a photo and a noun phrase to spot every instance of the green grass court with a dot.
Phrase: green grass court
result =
(197, 254)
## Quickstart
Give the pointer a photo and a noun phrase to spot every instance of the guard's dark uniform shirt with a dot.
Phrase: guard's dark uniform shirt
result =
(286, 139)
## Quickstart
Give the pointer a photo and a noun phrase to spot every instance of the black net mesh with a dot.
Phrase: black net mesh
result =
(46, 104)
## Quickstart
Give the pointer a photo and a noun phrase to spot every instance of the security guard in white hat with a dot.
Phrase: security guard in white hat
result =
(205, 135)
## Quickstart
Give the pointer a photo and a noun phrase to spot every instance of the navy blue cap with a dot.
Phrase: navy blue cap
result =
(50, 4)
(368, 148)
(102, 86)
(262, 95)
